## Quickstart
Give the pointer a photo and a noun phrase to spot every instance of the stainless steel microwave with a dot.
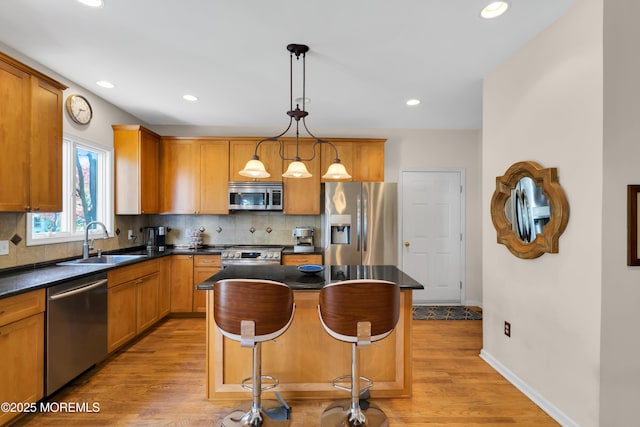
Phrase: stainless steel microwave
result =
(255, 196)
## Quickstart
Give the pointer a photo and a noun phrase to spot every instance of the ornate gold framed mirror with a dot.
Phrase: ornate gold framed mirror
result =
(529, 210)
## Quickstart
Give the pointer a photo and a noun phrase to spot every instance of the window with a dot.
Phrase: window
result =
(87, 194)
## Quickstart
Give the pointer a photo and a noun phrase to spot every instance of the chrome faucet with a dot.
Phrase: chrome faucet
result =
(86, 246)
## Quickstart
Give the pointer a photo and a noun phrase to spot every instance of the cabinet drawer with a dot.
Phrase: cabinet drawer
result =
(20, 306)
(125, 274)
(301, 259)
(206, 261)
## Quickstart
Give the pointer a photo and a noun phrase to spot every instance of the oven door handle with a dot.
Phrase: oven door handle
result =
(76, 291)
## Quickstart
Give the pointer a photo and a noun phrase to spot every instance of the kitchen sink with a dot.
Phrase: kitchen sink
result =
(103, 260)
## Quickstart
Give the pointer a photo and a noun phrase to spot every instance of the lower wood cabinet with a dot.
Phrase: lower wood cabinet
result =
(204, 266)
(181, 283)
(186, 272)
(164, 292)
(298, 259)
(21, 350)
(134, 301)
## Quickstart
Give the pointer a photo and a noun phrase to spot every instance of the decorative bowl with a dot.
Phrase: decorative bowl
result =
(310, 268)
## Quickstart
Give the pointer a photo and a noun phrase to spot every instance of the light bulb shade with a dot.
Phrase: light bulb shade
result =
(296, 169)
(336, 171)
(254, 169)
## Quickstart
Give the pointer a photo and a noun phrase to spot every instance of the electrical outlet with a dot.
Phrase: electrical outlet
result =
(130, 234)
(4, 247)
(507, 328)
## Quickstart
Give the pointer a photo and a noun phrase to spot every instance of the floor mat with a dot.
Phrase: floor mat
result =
(446, 312)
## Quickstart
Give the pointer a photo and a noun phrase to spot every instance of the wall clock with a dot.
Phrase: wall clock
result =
(79, 109)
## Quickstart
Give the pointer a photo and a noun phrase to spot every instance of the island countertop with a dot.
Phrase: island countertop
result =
(300, 281)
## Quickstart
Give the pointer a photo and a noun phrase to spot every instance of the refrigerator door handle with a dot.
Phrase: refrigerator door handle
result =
(365, 223)
(358, 222)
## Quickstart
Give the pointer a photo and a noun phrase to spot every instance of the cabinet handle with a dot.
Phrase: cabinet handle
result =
(407, 244)
(37, 209)
(28, 208)
(1, 312)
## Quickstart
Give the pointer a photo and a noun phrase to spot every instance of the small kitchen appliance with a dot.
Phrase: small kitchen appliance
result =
(303, 239)
(155, 238)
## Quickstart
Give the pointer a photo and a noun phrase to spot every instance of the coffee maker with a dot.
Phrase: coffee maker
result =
(155, 238)
(303, 239)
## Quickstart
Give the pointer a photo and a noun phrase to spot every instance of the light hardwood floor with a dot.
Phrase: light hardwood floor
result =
(160, 381)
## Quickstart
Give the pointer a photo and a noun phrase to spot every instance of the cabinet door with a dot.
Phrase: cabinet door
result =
(241, 152)
(21, 362)
(137, 157)
(181, 283)
(200, 274)
(302, 195)
(147, 292)
(121, 323)
(180, 177)
(149, 172)
(214, 177)
(164, 290)
(369, 163)
(14, 123)
(46, 147)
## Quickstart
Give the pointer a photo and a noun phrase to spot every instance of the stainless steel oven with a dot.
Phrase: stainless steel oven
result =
(251, 255)
(76, 337)
(255, 196)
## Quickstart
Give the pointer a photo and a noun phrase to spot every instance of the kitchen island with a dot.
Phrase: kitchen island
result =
(305, 358)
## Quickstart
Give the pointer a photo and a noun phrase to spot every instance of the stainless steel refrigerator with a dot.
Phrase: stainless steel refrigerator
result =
(360, 223)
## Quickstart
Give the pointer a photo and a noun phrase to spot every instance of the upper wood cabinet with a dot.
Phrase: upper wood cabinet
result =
(302, 195)
(194, 175)
(363, 158)
(241, 151)
(31, 124)
(137, 160)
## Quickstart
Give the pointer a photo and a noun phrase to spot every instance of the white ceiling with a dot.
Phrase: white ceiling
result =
(367, 57)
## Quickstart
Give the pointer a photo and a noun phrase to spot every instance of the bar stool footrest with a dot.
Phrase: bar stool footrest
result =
(343, 378)
(274, 384)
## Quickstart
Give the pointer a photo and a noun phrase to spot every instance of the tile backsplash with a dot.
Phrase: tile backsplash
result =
(269, 228)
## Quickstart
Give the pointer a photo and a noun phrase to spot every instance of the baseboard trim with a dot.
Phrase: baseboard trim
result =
(528, 391)
(473, 303)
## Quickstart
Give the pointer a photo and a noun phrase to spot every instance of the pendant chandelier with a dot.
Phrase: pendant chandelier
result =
(297, 169)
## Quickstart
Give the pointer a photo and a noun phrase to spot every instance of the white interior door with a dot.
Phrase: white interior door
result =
(432, 234)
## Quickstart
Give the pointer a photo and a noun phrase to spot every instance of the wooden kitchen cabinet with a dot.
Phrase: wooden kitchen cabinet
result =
(136, 163)
(194, 175)
(241, 151)
(302, 195)
(21, 350)
(363, 158)
(181, 283)
(121, 317)
(133, 301)
(299, 259)
(204, 266)
(31, 123)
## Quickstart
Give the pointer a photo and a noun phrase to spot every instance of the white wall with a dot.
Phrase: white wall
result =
(406, 148)
(545, 104)
(620, 374)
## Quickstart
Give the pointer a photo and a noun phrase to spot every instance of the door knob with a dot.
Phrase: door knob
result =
(407, 244)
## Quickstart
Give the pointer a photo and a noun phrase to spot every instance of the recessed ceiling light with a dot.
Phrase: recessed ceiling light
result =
(190, 98)
(413, 102)
(105, 84)
(92, 3)
(495, 9)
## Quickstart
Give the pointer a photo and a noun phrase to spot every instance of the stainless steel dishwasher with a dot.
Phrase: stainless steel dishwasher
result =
(76, 328)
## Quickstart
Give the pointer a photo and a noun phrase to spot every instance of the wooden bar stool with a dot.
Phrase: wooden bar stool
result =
(358, 312)
(252, 311)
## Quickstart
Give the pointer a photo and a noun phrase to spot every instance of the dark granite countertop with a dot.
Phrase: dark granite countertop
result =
(300, 281)
(17, 280)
